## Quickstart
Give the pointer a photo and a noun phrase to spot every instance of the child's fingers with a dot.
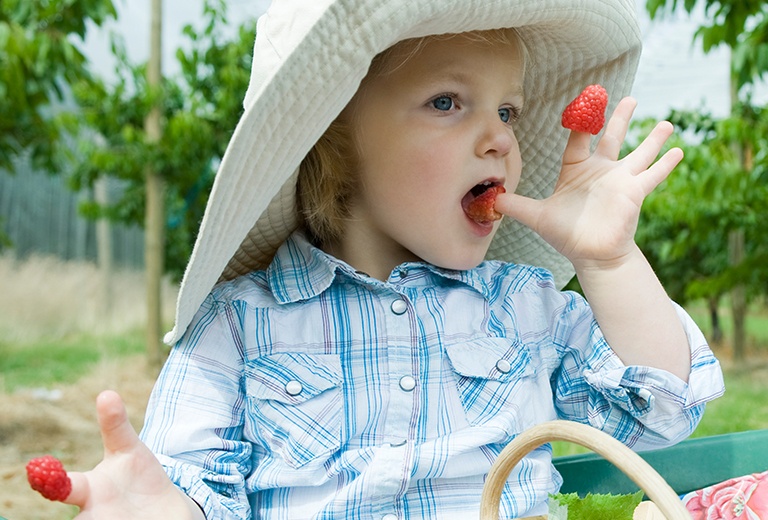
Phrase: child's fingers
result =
(117, 433)
(616, 130)
(660, 170)
(644, 155)
(525, 210)
(577, 148)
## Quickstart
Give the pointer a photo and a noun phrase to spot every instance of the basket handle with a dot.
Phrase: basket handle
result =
(600, 442)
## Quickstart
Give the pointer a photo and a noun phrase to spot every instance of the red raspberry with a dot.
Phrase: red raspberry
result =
(47, 475)
(480, 209)
(586, 113)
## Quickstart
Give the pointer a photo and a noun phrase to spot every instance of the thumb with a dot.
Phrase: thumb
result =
(81, 489)
(117, 433)
(523, 209)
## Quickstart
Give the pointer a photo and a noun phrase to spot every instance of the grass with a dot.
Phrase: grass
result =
(57, 321)
(47, 362)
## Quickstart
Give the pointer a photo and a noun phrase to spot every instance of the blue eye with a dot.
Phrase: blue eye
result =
(443, 103)
(506, 115)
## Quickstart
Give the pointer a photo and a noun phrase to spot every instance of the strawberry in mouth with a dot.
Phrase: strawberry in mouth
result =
(479, 203)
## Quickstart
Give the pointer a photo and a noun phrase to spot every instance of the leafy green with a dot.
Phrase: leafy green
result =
(593, 506)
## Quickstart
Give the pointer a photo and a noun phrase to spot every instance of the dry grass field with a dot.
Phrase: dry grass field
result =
(45, 303)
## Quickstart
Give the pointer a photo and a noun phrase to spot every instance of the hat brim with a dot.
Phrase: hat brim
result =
(308, 65)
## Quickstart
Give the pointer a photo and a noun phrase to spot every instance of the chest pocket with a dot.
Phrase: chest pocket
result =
(296, 403)
(491, 374)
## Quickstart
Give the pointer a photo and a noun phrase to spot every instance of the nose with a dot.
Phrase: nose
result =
(496, 138)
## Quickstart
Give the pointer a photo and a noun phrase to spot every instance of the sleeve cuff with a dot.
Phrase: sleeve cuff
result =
(221, 497)
(647, 392)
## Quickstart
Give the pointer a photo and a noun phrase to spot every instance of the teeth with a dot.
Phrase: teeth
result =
(482, 187)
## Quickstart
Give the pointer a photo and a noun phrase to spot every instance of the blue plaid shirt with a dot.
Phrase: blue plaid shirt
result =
(310, 390)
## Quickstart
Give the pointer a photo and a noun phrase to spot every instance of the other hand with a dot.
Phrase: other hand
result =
(591, 216)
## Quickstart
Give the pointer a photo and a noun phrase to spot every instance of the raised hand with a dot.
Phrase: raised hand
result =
(129, 483)
(591, 217)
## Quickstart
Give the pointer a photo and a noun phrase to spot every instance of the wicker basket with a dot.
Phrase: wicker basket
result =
(614, 451)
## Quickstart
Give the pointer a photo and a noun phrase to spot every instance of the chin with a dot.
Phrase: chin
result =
(458, 264)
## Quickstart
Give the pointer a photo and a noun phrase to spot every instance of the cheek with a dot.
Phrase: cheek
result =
(514, 169)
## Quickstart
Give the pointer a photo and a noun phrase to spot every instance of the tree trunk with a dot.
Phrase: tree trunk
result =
(154, 240)
(738, 297)
(714, 316)
(736, 248)
(104, 255)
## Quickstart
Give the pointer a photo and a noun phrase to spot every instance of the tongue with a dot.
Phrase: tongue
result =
(480, 208)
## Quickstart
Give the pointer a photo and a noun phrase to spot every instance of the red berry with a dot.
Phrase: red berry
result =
(586, 113)
(480, 209)
(47, 475)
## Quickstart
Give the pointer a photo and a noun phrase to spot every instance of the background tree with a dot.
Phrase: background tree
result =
(39, 56)
(199, 109)
(741, 25)
(688, 219)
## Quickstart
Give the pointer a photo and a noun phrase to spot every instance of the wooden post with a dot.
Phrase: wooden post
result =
(105, 260)
(154, 240)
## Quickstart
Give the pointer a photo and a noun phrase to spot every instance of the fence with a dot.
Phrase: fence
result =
(39, 215)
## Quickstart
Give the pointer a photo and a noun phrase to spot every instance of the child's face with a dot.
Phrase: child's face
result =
(428, 132)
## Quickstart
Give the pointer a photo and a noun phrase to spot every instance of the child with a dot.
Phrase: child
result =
(359, 358)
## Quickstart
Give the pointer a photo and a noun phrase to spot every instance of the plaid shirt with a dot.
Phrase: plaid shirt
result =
(310, 390)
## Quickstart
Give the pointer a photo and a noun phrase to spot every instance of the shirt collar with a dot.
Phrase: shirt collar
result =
(477, 278)
(300, 271)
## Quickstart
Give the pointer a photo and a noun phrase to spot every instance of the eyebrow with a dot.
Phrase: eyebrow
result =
(516, 89)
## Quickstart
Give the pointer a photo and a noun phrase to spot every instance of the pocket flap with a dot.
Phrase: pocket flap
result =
(497, 359)
(292, 377)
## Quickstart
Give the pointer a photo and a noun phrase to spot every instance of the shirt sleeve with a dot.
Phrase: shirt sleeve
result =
(194, 419)
(644, 407)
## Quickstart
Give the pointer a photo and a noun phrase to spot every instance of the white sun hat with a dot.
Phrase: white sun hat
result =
(309, 58)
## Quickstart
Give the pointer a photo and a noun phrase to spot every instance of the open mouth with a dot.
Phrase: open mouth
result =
(479, 202)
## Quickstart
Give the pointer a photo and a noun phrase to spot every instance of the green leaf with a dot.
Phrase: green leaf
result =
(598, 506)
(557, 511)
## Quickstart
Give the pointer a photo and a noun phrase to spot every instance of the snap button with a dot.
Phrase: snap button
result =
(503, 366)
(293, 388)
(399, 307)
(402, 272)
(399, 443)
(389, 517)
(407, 383)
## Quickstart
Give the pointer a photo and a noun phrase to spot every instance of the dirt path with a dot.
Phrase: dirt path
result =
(61, 421)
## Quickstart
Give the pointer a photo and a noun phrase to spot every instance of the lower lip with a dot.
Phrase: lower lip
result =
(481, 229)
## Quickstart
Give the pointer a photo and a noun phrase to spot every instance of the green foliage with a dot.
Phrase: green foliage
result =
(38, 56)
(593, 506)
(685, 224)
(199, 112)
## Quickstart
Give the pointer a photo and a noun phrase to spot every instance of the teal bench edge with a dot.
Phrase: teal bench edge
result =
(687, 466)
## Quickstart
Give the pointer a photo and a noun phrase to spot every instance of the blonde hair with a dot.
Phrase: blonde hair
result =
(326, 181)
